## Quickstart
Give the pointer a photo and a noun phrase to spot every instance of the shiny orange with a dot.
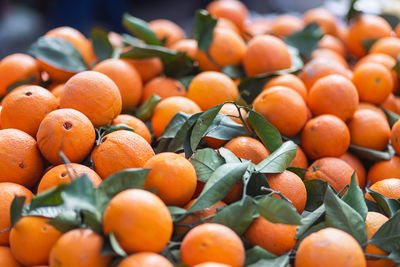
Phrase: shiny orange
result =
(323, 17)
(7, 259)
(248, 148)
(389, 188)
(233, 10)
(285, 25)
(187, 46)
(167, 30)
(384, 170)
(387, 45)
(357, 165)
(138, 126)
(148, 259)
(333, 43)
(163, 87)
(300, 161)
(291, 81)
(148, 68)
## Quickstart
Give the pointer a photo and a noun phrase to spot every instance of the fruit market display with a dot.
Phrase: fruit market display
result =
(254, 141)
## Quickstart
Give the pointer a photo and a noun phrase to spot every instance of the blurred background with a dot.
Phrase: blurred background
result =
(23, 21)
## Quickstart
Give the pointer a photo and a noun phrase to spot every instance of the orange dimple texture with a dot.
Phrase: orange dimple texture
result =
(147, 68)
(384, 169)
(248, 148)
(389, 188)
(148, 259)
(163, 87)
(395, 137)
(7, 259)
(324, 18)
(187, 46)
(357, 165)
(138, 126)
(300, 161)
(291, 81)
(168, 30)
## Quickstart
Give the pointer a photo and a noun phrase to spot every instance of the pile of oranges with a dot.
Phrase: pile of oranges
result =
(63, 126)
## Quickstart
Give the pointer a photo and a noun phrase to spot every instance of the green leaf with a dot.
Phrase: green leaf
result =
(101, 44)
(368, 43)
(340, 215)
(58, 53)
(298, 171)
(267, 133)
(395, 256)
(234, 71)
(388, 235)
(111, 247)
(316, 190)
(391, 116)
(354, 196)
(255, 184)
(204, 29)
(229, 215)
(145, 111)
(281, 261)
(175, 125)
(79, 194)
(140, 29)
(228, 156)
(310, 220)
(176, 212)
(314, 228)
(205, 161)
(186, 80)
(277, 210)
(370, 154)
(256, 254)
(396, 67)
(352, 11)
(16, 208)
(388, 205)
(47, 204)
(224, 128)
(66, 221)
(392, 19)
(306, 40)
(219, 184)
(279, 160)
(31, 79)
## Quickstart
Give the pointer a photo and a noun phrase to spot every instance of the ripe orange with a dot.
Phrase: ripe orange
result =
(212, 242)
(211, 88)
(148, 259)
(15, 68)
(228, 25)
(282, 107)
(31, 240)
(285, 25)
(167, 30)
(255, 27)
(148, 68)
(275, 237)
(329, 54)
(389, 188)
(93, 94)
(291, 81)
(138, 126)
(120, 150)
(187, 46)
(395, 137)
(387, 45)
(266, 53)
(372, 107)
(233, 10)
(163, 87)
(323, 17)
(357, 165)
(56, 91)
(391, 103)
(20, 159)
(211, 264)
(330, 247)
(384, 170)
(78, 248)
(167, 108)
(397, 30)
(332, 43)
(300, 161)
(248, 148)
(140, 214)
(66, 130)
(333, 94)
(7, 259)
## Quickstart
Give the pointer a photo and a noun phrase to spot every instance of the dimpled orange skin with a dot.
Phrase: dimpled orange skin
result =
(390, 103)
(288, 80)
(332, 170)
(389, 188)
(291, 186)
(148, 259)
(147, 68)
(357, 165)
(323, 17)
(282, 107)
(7, 259)
(285, 25)
(17, 67)
(395, 137)
(66, 130)
(248, 148)
(368, 129)
(227, 48)
(120, 150)
(61, 175)
(138, 126)
(300, 161)
(329, 54)
(212, 242)
(211, 88)
(56, 91)
(140, 214)
(384, 169)
(173, 177)
(266, 53)
(78, 248)
(386, 45)
(168, 30)
(163, 87)
(211, 264)
(325, 136)
(275, 237)
(333, 94)
(363, 28)
(127, 79)
(332, 43)
(187, 46)
(330, 247)
(167, 108)
(8, 191)
(372, 107)
(233, 10)
(93, 94)
(25, 108)
(31, 240)
(20, 159)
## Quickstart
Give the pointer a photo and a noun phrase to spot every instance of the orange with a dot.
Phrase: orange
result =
(148, 68)
(227, 48)
(138, 126)
(285, 25)
(256, 26)
(16, 68)
(212, 242)
(329, 54)
(368, 129)
(300, 161)
(357, 165)
(120, 150)
(332, 43)
(389, 188)
(333, 94)
(125, 76)
(325, 136)
(372, 107)
(395, 137)
(397, 30)
(8, 191)
(266, 53)
(211, 264)
(7, 259)
(330, 247)
(78, 248)
(233, 10)
(211, 88)
(187, 46)
(291, 81)
(334, 171)
(227, 24)
(323, 17)
(365, 27)
(167, 30)
(25, 108)
(163, 87)
(20, 159)
(373, 222)
(390, 103)
(93, 94)
(384, 169)
(140, 214)
(275, 237)
(387, 45)
(173, 177)
(56, 91)
(66, 130)
(282, 107)
(61, 175)
(167, 108)
(0, 117)
(148, 259)
(248, 148)
(31, 240)
(291, 186)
